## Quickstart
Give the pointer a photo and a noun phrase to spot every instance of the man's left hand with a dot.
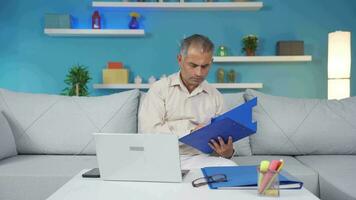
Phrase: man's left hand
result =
(223, 149)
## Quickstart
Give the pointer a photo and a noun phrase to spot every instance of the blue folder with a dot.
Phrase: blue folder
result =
(245, 177)
(236, 123)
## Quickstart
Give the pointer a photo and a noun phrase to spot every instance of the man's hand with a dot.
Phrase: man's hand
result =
(224, 150)
(199, 126)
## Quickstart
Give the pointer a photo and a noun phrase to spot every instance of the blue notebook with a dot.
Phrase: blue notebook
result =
(236, 123)
(245, 177)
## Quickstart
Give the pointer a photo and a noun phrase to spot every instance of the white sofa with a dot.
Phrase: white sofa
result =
(46, 139)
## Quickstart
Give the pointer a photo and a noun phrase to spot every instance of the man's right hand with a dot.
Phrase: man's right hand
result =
(199, 126)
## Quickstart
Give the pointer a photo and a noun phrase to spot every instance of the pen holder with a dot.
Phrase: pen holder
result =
(268, 183)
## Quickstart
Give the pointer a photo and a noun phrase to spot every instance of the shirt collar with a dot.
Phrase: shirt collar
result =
(176, 80)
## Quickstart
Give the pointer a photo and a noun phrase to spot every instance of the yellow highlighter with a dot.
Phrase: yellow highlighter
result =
(263, 169)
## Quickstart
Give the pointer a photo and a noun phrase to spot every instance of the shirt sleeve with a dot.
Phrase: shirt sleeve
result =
(151, 117)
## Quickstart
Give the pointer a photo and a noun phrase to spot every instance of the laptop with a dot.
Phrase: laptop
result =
(138, 157)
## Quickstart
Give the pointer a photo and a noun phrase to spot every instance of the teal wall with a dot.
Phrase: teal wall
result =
(30, 61)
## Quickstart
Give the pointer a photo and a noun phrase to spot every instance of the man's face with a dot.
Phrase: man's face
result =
(194, 67)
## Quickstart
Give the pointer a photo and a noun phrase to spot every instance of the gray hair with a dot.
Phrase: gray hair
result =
(196, 40)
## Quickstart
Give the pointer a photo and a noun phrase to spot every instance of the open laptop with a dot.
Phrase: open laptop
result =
(138, 157)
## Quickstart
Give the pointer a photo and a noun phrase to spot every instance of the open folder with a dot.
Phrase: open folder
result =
(236, 123)
(245, 177)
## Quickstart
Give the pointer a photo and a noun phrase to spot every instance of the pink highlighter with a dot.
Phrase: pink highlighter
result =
(273, 166)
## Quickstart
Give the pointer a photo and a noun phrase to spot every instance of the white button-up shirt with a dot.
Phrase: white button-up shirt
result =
(169, 108)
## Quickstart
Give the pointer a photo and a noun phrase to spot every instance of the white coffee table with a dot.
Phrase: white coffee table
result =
(79, 188)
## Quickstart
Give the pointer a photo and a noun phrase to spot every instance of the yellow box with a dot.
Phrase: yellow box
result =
(112, 76)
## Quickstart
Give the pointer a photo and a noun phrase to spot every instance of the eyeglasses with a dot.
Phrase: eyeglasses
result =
(217, 178)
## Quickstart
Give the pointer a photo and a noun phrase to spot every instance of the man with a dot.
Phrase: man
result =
(184, 102)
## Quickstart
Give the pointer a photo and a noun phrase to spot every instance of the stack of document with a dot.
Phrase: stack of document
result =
(236, 123)
(245, 177)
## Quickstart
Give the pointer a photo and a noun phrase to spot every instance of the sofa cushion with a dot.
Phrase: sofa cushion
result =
(242, 147)
(54, 124)
(293, 126)
(142, 97)
(35, 177)
(336, 175)
(7, 142)
(306, 174)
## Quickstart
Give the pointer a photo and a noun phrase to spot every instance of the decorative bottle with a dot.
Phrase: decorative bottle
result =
(134, 20)
(95, 20)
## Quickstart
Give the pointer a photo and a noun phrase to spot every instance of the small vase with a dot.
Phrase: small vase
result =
(220, 75)
(222, 51)
(138, 80)
(250, 52)
(231, 76)
(151, 80)
(133, 23)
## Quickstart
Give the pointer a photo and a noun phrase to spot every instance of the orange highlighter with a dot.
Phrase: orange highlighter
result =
(275, 165)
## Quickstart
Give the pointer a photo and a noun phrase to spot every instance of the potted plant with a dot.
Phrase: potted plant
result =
(77, 79)
(250, 43)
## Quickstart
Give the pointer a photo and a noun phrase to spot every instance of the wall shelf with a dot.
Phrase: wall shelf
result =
(243, 6)
(146, 86)
(95, 32)
(121, 86)
(220, 59)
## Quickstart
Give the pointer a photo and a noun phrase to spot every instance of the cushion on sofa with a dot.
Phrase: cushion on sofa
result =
(336, 175)
(142, 97)
(34, 177)
(7, 142)
(54, 124)
(291, 126)
(304, 173)
(231, 100)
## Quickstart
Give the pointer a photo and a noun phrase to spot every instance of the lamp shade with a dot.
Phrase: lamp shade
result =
(339, 54)
(338, 88)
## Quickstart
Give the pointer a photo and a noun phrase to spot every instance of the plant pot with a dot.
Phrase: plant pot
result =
(250, 52)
